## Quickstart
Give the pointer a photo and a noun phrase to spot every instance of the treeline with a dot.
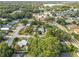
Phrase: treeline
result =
(18, 10)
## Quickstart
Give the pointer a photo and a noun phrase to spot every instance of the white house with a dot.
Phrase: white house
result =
(3, 19)
(69, 20)
(22, 43)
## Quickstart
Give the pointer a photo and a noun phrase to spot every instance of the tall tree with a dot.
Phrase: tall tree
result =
(5, 51)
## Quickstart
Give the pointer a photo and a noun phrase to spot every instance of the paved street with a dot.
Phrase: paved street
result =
(19, 36)
(15, 34)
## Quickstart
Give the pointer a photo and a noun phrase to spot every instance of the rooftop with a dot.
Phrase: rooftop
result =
(22, 43)
(76, 31)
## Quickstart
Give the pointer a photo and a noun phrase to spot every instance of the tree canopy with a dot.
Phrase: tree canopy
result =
(5, 51)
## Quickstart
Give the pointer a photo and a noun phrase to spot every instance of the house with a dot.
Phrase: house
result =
(71, 26)
(27, 25)
(42, 16)
(40, 30)
(22, 43)
(76, 31)
(69, 21)
(4, 29)
(47, 13)
(3, 19)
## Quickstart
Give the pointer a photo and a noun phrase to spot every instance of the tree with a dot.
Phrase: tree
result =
(5, 51)
(29, 30)
(32, 47)
(47, 46)
(61, 21)
(67, 36)
(1, 36)
(76, 36)
(17, 15)
(49, 18)
(24, 21)
(28, 14)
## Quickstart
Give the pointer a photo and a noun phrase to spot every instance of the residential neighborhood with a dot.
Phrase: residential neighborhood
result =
(39, 29)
